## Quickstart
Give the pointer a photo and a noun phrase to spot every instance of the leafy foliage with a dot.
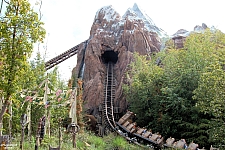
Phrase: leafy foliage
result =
(210, 99)
(145, 86)
(182, 96)
(20, 28)
(33, 93)
(21, 84)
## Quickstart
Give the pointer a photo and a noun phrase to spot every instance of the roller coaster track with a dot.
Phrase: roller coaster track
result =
(62, 57)
(108, 113)
(109, 93)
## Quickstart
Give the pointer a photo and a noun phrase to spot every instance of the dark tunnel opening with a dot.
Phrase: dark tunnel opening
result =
(110, 56)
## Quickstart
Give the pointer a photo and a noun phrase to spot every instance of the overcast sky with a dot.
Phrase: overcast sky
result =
(68, 22)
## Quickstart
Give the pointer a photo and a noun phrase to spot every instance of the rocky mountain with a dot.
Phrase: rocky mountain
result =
(118, 38)
(137, 13)
(197, 29)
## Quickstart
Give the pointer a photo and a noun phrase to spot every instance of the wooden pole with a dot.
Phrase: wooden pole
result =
(73, 128)
(38, 134)
(73, 109)
(45, 100)
(79, 108)
(22, 138)
(23, 122)
(29, 120)
(74, 137)
(48, 125)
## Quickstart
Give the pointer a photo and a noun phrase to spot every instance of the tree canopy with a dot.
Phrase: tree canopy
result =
(20, 29)
(22, 81)
(183, 96)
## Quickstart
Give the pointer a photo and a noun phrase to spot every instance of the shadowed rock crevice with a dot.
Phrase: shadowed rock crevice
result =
(110, 56)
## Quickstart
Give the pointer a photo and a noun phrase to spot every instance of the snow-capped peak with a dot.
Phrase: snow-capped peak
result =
(141, 14)
(136, 13)
(109, 13)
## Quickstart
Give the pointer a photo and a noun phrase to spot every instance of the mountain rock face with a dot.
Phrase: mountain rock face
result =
(118, 37)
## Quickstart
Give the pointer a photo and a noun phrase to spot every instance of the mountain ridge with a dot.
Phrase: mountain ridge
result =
(134, 13)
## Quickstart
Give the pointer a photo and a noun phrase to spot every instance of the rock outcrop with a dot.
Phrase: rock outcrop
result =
(199, 28)
(180, 36)
(122, 36)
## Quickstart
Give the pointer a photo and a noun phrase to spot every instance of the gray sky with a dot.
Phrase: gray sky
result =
(68, 22)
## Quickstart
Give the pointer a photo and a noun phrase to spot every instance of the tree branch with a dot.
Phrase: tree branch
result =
(1, 7)
(40, 10)
(6, 2)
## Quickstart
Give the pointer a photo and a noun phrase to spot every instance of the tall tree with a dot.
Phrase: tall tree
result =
(20, 28)
(210, 94)
(146, 81)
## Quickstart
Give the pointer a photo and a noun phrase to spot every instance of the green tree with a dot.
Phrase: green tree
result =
(210, 96)
(181, 119)
(20, 28)
(209, 92)
(171, 110)
(146, 82)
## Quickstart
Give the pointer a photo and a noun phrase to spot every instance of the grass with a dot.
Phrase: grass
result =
(84, 141)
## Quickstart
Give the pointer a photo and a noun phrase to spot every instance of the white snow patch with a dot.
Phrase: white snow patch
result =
(109, 12)
(135, 13)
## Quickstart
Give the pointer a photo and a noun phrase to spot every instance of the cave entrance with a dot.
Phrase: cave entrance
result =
(110, 56)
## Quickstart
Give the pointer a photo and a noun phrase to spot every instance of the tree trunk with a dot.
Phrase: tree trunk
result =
(47, 122)
(29, 120)
(1, 127)
(45, 102)
(10, 120)
(3, 110)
